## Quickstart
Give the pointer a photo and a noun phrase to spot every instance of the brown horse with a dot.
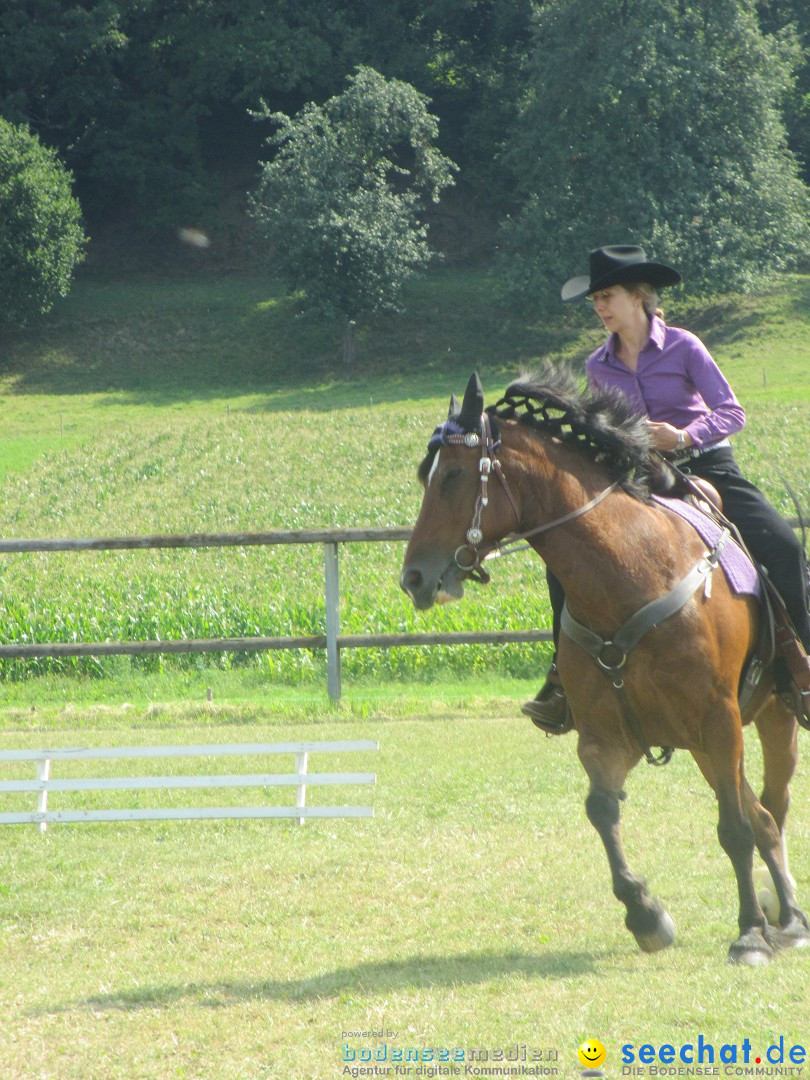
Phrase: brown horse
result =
(572, 474)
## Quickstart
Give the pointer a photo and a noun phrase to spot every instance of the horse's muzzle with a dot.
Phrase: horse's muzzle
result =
(426, 588)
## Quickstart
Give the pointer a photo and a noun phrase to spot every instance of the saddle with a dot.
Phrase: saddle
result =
(777, 640)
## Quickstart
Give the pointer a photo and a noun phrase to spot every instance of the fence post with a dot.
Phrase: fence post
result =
(43, 773)
(301, 762)
(330, 556)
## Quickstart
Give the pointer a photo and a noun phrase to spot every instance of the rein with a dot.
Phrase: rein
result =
(512, 546)
(488, 464)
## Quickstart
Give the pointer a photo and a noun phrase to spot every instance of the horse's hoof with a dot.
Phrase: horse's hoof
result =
(793, 935)
(751, 949)
(660, 938)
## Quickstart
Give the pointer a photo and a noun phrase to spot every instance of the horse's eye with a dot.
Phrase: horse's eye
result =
(450, 480)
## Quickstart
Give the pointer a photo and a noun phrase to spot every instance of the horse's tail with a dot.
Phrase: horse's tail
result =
(794, 498)
(803, 526)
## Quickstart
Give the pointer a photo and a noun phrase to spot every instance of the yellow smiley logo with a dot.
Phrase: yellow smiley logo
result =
(592, 1054)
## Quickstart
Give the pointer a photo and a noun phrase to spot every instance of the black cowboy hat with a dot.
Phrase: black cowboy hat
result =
(615, 265)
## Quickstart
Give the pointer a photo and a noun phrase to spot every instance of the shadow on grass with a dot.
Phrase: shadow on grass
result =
(735, 319)
(414, 973)
(157, 345)
(147, 345)
(330, 392)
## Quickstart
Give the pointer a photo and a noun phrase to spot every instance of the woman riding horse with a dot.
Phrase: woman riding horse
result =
(566, 471)
(668, 375)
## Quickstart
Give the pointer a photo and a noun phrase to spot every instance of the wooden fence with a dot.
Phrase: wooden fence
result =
(332, 640)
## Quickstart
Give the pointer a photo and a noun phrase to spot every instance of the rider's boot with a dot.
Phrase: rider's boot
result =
(800, 675)
(549, 709)
(797, 663)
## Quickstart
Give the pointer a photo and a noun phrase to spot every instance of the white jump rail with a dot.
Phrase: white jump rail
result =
(300, 779)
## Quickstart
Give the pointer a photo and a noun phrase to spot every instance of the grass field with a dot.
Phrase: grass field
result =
(209, 406)
(474, 910)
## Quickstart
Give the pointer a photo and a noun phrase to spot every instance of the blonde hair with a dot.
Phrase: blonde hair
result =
(649, 297)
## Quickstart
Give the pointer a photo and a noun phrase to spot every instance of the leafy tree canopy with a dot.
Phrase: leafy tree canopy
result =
(340, 201)
(146, 101)
(793, 17)
(655, 121)
(41, 238)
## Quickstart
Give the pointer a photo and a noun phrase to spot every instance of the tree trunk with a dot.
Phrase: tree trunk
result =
(349, 354)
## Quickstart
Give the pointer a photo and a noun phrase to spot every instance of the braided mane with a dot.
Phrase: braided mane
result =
(602, 423)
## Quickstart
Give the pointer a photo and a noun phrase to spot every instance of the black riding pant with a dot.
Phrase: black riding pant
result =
(766, 534)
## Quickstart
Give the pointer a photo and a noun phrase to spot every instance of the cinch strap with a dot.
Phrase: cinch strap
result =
(611, 654)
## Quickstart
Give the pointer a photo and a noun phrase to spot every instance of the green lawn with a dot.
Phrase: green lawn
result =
(474, 910)
(211, 406)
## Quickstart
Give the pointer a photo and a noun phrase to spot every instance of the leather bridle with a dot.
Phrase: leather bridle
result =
(489, 463)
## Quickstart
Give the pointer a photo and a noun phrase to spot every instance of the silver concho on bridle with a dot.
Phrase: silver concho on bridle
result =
(453, 433)
(475, 533)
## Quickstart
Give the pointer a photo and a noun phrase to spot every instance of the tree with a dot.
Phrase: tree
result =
(340, 201)
(655, 121)
(138, 98)
(793, 17)
(146, 102)
(41, 238)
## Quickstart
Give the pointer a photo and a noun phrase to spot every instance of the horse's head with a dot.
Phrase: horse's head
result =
(464, 513)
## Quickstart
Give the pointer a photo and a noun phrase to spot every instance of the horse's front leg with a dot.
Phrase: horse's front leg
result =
(647, 919)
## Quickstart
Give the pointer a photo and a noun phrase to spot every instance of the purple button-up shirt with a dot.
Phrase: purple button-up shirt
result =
(676, 382)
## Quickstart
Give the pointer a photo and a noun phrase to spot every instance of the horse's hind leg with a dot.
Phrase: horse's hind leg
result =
(793, 927)
(722, 768)
(778, 735)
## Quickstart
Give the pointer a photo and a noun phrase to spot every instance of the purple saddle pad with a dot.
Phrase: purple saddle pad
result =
(738, 568)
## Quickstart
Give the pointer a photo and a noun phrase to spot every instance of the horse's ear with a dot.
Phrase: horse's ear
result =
(454, 409)
(473, 405)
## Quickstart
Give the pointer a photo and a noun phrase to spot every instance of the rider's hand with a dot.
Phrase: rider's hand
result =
(665, 436)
